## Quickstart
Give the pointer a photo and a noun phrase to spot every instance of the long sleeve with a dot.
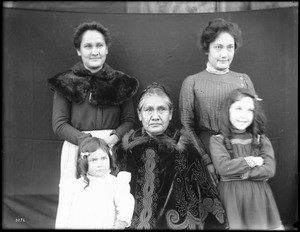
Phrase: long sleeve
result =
(222, 161)
(69, 119)
(187, 115)
(61, 118)
(124, 200)
(127, 118)
(267, 170)
(97, 101)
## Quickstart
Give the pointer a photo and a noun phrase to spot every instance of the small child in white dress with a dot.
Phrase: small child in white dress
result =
(98, 199)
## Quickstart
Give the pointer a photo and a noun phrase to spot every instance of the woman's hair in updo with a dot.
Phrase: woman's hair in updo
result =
(92, 26)
(215, 27)
(155, 89)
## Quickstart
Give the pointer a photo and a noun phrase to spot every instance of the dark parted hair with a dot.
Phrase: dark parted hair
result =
(215, 27)
(83, 163)
(155, 89)
(93, 26)
(256, 128)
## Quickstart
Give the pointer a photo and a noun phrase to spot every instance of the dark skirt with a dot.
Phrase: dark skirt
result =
(249, 205)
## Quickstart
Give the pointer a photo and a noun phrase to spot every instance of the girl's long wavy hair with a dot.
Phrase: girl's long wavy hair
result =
(256, 128)
(83, 163)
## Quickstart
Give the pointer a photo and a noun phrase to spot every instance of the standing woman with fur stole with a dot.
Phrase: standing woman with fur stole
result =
(91, 100)
(169, 181)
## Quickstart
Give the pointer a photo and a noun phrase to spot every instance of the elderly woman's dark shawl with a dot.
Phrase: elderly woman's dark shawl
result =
(170, 184)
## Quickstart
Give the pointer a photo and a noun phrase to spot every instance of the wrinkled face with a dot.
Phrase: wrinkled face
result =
(98, 163)
(221, 51)
(241, 113)
(155, 114)
(93, 50)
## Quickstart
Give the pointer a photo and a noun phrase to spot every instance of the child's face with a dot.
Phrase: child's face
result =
(98, 163)
(241, 113)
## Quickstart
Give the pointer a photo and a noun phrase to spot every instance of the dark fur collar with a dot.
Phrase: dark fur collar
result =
(171, 140)
(107, 87)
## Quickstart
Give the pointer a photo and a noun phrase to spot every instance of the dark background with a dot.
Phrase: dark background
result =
(37, 44)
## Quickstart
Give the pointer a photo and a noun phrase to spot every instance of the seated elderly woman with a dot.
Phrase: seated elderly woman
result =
(170, 184)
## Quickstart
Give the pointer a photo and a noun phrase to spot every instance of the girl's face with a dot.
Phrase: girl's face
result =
(98, 163)
(155, 114)
(241, 113)
(221, 51)
(93, 50)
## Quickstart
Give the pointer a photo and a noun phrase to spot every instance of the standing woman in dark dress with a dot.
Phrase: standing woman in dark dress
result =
(91, 100)
(201, 94)
(169, 181)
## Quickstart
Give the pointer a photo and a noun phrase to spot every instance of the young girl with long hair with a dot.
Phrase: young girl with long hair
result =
(244, 158)
(97, 199)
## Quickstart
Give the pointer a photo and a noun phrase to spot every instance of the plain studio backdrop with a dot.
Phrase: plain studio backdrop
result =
(37, 44)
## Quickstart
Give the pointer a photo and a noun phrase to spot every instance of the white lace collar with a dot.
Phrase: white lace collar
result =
(211, 69)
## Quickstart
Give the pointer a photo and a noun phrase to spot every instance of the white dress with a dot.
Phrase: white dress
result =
(106, 200)
(68, 174)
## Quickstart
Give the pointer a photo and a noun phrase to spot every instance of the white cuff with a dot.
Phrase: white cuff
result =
(250, 161)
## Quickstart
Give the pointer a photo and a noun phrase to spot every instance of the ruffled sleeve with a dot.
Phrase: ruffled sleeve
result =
(123, 198)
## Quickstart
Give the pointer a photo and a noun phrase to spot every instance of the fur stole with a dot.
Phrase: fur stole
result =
(172, 140)
(106, 87)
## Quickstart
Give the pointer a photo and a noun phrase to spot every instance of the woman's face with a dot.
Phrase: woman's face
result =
(98, 163)
(155, 114)
(93, 50)
(221, 51)
(241, 113)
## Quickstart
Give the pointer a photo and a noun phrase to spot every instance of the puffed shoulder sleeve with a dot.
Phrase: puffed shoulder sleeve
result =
(123, 198)
(124, 179)
(249, 83)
